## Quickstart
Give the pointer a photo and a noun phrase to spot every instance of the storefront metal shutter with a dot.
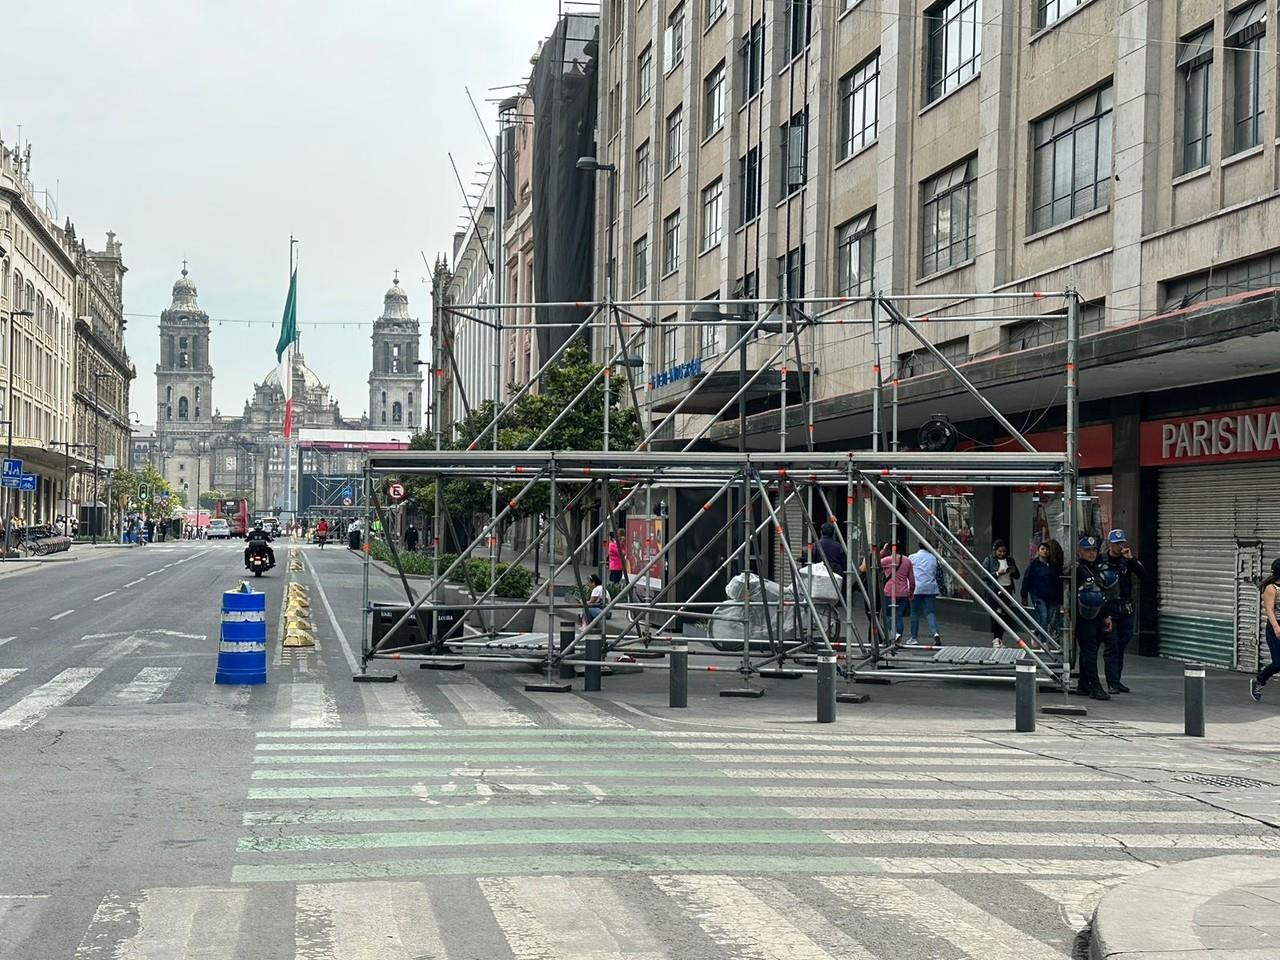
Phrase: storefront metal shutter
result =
(1204, 514)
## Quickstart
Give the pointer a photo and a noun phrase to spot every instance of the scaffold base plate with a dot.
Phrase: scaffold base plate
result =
(443, 665)
(748, 693)
(782, 674)
(548, 687)
(852, 697)
(1064, 710)
(376, 677)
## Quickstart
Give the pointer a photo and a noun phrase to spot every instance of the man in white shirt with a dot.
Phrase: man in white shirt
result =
(929, 579)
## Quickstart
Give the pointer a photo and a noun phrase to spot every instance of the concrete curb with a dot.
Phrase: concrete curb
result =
(1170, 911)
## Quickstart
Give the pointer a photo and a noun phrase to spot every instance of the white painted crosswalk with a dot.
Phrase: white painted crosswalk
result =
(149, 685)
(33, 708)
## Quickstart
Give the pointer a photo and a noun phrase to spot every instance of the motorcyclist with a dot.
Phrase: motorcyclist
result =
(256, 541)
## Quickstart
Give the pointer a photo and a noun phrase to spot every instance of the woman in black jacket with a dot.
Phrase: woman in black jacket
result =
(1043, 584)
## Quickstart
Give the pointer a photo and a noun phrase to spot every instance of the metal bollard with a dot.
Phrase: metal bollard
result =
(679, 676)
(595, 652)
(1025, 692)
(1193, 702)
(826, 689)
(567, 670)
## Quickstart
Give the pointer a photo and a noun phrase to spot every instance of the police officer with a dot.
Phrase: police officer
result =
(1119, 567)
(1092, 621)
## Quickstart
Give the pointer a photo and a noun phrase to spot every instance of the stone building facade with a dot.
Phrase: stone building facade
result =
(395, 379)
(198, 448)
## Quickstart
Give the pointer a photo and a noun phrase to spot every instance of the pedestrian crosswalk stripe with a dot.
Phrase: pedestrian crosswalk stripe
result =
(200, 922)
(518, 808)
(454, 733)
(822, 930)
(395, 704)
(35, 706)
(1067, 773)
(651, 863)
(552, 918)
(351, 921)
(943, 914)
(149, 685)
(311, 706)
(478, 706)
(836, 738)
(587, 836)
(498, 742)
(804, 792)
(740, 922)
(1002, 839)
(597, 754)
(10, 673)
(574, 711)
(790, 746)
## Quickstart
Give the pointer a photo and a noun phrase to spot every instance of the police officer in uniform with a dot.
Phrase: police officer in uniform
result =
(1119, 567)
(1092, 621)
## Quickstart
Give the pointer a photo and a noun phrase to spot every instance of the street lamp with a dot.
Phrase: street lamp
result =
(592, 165)
(8, 409)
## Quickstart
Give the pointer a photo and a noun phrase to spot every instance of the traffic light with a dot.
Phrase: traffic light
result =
(144, 492)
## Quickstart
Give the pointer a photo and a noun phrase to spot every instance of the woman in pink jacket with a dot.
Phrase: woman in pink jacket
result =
(899, 586)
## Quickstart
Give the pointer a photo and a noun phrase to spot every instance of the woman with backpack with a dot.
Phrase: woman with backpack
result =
(1270, 610)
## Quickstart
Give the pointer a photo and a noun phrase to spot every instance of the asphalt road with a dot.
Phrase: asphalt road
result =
(149, 813)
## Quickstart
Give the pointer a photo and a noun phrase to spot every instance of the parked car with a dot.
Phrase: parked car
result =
(219, 529)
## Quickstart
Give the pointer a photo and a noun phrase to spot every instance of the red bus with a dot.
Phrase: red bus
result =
(236, 513)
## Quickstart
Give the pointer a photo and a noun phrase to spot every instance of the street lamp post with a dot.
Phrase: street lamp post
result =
(8, 409)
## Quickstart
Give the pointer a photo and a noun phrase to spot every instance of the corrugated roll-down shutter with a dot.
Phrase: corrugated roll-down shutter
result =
(1204, 514)
(794, 537)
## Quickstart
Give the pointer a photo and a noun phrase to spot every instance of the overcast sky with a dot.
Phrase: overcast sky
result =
(212, 129)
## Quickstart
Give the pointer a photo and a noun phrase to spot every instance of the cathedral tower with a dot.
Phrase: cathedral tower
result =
(395, 380)
(184, 381)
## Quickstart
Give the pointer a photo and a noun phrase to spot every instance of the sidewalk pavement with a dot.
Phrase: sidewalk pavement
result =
(1227, 908)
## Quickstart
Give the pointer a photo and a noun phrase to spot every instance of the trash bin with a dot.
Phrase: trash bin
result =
(353, 539)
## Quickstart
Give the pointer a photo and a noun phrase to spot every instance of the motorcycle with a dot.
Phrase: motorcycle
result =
(259, 559)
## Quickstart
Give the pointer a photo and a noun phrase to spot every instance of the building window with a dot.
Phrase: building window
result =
(640, 264)
(1244, 34)
(859, 106)
(397, 413)
(712, 225)
(168, 413)
(752, 52)
(384, 416)
(713, 101)
(675, 139)
(1224, 280)
(747, 288)
(1072, 160)
(644, 175)
(1052, 327)
(955, 45)
(615, 111)
(675, 38)
(948, 218)
(1195, 58)
(707, 335)
(791, 274)
(182, 408)
(396, 359)
(168, 394)
(384, 398)
(749, 186)
(670, 334)
(714, 9)
(797, 16)
(856, 255)
(671, 243)
(795, 152)
(644, 76)
(920, 361)
(1051, 11)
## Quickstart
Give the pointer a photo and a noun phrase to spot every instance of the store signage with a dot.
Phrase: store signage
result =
(681, 371)
(1212, 438)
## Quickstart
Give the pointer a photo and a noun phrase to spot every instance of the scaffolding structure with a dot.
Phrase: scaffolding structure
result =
(769, 506)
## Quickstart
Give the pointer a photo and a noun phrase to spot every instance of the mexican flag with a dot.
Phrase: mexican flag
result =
(286, 346)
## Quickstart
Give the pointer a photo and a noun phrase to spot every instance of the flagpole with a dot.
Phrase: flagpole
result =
(290, 501)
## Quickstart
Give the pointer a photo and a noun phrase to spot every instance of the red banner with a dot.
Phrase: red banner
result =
(1212, 438)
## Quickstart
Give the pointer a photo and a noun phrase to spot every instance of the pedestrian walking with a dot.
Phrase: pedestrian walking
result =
(615, 559)
(1092, 621)
(411, 538)
(1119, 568)
(1270, 611)
(1042, 585)
(829, 550)
(1005, 570)
(899, 585)
(929, 583)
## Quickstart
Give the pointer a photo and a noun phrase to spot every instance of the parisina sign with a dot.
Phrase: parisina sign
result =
(1212, 438)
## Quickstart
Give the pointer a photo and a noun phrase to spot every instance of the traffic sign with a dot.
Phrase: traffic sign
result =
(27, 483)
(348, 493)
(395, 491)
(346, 501)
(12, 472)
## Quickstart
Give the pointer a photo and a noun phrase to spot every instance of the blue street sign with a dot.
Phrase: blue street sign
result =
(27, 483)
(9, 483)
(348, 493)
(12, 468)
